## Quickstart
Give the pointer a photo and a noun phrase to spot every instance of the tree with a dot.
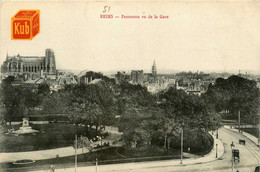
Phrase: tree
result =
(93, 103)
(2, 108)
(13, 101)
(30, 99)
(56, 103)
(44, 89)
(135, 106)
(189, 110)
(235, 94)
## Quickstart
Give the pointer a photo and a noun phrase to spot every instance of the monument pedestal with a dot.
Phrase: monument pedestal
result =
(25, 128)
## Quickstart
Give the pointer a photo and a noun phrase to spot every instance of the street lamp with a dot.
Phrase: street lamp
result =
(232, 145)
(76, 143)
(217, 134)
(216, 150)
(181, 144)
(96, 164)
(239, 121)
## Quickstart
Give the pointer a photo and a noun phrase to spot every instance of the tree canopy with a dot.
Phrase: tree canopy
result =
(233, 95)
(144, 118)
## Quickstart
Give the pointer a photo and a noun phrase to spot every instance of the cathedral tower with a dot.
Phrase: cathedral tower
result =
(50, 64)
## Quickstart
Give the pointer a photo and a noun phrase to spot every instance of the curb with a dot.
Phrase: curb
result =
(213, 147)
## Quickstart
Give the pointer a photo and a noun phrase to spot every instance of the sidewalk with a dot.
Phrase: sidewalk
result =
(40, 155)
(249, 136)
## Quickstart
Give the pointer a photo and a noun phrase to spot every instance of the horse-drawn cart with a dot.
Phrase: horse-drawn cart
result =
(236, 156)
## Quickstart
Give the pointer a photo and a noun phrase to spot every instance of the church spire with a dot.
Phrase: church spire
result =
(154, 72)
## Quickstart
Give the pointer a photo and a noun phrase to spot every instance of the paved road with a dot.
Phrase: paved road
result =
(249, 159)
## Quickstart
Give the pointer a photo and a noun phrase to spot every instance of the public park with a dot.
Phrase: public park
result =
(114, 124)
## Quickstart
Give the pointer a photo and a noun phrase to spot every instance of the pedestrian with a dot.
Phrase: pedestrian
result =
(232, 144)
(52, 168)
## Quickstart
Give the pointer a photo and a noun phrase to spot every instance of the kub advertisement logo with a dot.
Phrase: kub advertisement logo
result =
(25, 25)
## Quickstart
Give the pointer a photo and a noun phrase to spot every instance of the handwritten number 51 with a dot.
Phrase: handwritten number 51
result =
(106, 9)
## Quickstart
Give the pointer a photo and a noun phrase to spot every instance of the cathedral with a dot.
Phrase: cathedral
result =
(30, 64)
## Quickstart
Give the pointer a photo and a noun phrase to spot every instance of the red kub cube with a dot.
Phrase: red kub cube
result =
(25, 24)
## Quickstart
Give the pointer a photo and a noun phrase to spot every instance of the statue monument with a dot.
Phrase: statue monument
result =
(25, 128)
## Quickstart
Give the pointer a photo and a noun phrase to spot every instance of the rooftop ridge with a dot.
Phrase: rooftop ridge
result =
(32, 56)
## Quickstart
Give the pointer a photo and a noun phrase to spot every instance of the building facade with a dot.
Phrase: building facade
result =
(137, 76)
(30, 64)
(122, 76)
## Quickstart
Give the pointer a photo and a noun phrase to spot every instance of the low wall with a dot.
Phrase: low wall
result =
(33, 122)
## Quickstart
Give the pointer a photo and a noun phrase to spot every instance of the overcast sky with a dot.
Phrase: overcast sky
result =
(220, 36)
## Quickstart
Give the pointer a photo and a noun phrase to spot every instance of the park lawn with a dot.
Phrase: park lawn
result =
(50, 136)
(109, 155)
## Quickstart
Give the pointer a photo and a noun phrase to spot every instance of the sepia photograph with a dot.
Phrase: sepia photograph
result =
(121, 86)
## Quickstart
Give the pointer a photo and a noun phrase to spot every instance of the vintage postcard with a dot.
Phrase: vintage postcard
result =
(123, 86)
